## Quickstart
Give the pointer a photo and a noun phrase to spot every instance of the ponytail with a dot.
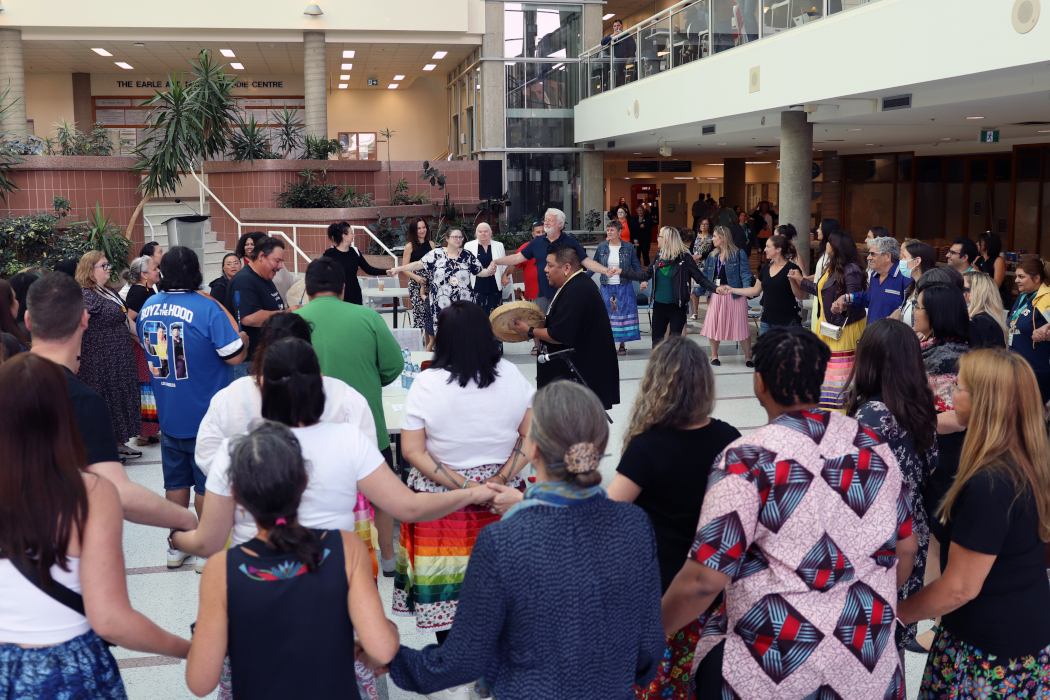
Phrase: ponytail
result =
(292, 386)
(289, 536)
(1035, 267)
(785, 246)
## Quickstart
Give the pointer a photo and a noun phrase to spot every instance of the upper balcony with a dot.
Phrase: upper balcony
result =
(692, 30)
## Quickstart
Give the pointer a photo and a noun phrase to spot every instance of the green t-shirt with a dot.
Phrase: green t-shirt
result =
(354, 344)
(664, 287)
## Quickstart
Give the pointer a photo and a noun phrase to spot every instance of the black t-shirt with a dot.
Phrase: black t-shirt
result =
(985, 332)
(1010, 617)
(779, 304)
(137, 296)
(672, 466)
(92, 421)
(351, 260)
(257, 294)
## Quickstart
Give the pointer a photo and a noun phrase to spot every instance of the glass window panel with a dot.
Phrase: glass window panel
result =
(1026, 217)
(780, 15)
(929, 216)
(1028, 163)
(869, 169)
(903, 228)
(1001, 209)
(1002, 168)
(954, 169)
(930, 169)
(977, 211)
(690, 33)
(979, 170)
(538, 181)
(539, 105)
(953, 210)
(1044, 246)
(513, 30)
(654, 42)
(515, 85)
(867, 205)
(725, 34)
(904, 167)
(552, 31)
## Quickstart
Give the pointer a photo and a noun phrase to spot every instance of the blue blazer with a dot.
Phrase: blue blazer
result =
(738, 270)
(628, 259)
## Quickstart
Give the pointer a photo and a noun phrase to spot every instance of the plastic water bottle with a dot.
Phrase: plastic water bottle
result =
(406, 373)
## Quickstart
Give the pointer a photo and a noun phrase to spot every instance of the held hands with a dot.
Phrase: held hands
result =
(839, 306)
(612, 271)
(724, 290)
(361, 655)
(643, 286)
(795, 276)
(392, 271)
(506, 497)
(481, 493)
(1041, 334)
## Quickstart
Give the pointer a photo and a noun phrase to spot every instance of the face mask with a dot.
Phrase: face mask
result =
(905, 270)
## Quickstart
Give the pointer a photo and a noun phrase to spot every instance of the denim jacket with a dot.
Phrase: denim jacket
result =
(738, 270)
(628, 260)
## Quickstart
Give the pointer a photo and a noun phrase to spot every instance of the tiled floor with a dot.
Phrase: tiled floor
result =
(170, 597)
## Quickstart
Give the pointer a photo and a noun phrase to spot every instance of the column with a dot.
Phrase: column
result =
(316, 89)
(592, 163)
(796, 177)
(493, 105)
(82, 101)
(13, 81)
(831, 187)
(734, 179)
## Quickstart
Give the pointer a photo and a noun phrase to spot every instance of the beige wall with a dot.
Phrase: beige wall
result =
(49, 98)
(418, 114)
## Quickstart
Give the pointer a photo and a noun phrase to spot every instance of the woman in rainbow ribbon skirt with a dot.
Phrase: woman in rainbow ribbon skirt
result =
(844, 274)
(618, 291)
(449, 453)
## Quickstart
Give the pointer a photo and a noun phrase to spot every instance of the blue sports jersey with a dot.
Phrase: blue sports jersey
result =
(187, 336)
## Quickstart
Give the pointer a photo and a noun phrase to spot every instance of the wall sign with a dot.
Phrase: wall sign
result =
(117, 86)
(989, 136)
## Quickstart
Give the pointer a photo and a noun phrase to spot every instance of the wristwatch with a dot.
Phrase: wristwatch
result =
(532, 332)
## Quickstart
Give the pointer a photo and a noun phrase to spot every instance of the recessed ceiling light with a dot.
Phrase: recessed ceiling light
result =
(682, 178)
(392, 86)
(1044, 131)
(869, 144)
(438, 55)
(139, 45)
(723, 144)
(102, 52)
(718, 164)
(346, 66)
(430, 66)
(125, 66)
(349, 54)
(946, 139)
(757, 162)
(608, 16)
(638, 154)
(344, 77)
(237, 66)
(228, 53)
(854, 129)
(711, 178)
(399, 77)
(975, 117)
(342, 86)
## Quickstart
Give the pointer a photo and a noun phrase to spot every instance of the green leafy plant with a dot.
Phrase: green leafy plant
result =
(392, 232)
(352, 198)
(319, 148)
(289, 131)
(388, 134)
(421, 198)
(102, 233)
(249, 143)
(25, 145)
(311, 192)
(400, 192)
(432, 174)
(70, 141)
(593, 220)
(190, 121)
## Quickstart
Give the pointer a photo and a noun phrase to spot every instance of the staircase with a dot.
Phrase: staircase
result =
(159, 210)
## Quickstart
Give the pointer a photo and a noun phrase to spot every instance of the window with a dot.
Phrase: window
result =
(542, 31)
(357, 145)
(539, 181)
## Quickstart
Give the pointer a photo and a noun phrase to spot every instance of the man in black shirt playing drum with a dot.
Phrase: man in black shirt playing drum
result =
(577, 320)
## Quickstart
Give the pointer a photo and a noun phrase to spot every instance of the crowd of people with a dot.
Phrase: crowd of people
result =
(903, 474)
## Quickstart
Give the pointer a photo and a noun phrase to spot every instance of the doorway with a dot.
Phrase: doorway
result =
(674, 209)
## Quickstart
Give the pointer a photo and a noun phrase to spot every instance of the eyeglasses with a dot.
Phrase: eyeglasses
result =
(105, 266)
(950, 253)
(955, 389)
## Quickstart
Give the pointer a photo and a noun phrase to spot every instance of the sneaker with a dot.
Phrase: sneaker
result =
(716, 362)
(127, 452)
(458, 693)
(176, 558)
(749, 363)
(388, 566)
(198, 565)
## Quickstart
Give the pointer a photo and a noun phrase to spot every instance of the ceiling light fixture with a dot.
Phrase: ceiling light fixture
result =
(608, 16)
(430, 66)
(227, 53)
(1044, 131)
(342, 86)
(975, 117)
(854, 129)
(346, 66)
(723, 144)
(682, 178)
(392, 86)
(399, 77)
(102, 52)
(438, 55)
(869, 144)
(713, 178)
(125, 66)
(349, 54)
(237, 66)
(344, 77)
(946, 139)
(313, 10)
(757, 162)
(139, 45)
(716, 164)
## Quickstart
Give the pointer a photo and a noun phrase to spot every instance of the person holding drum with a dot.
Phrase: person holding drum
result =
(617, 290)
(449, 270)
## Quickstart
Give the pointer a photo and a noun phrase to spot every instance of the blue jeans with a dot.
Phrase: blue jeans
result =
(179, 466)
(241, 370)
(763, 326)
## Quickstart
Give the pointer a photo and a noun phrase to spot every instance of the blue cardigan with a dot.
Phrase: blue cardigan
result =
(738, 270)
(557, 603)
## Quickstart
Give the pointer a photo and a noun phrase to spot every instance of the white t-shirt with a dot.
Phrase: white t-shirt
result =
(337, 457)
(233, 409)
(467, 426)
(614, 261)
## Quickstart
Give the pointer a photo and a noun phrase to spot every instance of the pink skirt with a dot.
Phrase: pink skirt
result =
(726, 318)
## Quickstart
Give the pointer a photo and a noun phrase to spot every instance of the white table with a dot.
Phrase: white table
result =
(392, 293)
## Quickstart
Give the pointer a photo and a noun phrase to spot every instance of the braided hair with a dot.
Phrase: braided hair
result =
(791, 361)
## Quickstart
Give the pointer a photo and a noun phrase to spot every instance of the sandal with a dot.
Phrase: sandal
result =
(622, 350)
(535, 351)
(151, 440)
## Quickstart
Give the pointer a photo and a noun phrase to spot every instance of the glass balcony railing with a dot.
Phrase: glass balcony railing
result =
(692, 30)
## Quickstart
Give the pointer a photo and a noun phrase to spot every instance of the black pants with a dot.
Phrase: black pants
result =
(490, 301)
(664, 315)
(644, 244)
(708, 676)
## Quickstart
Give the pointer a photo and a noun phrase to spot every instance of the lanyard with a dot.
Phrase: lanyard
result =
(1022, 303)
(558, 293)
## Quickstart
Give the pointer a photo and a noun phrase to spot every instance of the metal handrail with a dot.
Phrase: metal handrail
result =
(640, 25)
(293, 241)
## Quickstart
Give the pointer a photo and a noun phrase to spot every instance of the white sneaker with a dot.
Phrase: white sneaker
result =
(459, 693)
(176, 558)
(198, 565)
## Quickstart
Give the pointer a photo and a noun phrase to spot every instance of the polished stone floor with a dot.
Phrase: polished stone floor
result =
(170, 597)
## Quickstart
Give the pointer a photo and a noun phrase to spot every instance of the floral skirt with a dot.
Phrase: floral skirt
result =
(81, 668)
(420, 307)
(150, 425)
(674, 675)
(955, 669)
(432, 556)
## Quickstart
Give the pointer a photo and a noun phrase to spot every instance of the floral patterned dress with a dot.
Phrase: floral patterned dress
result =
(449, 281)
(916, 469)
(107, 362)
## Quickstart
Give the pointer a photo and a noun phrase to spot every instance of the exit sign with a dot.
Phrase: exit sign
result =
(375, 81)
(990, 136)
